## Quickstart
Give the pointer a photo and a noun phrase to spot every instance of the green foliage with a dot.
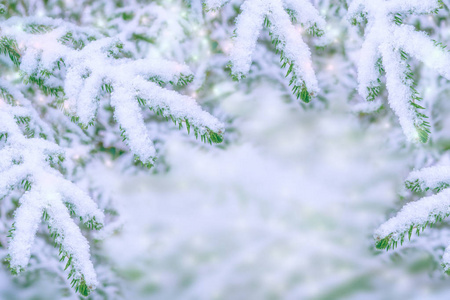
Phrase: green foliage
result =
(3, 136)
(312, 30)
(422, 126)
(208, 136)
(360, 19)
(39, 80)
(391, 241)
(398, 19)
(9, 47)
(69, 40)
(375, 88)
(37, 28)
(315, 31)
(26, 184)
(417, 186)
(299, 90)
(78, 282)
(7, 96)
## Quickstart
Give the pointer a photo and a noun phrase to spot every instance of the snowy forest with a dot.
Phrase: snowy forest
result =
(224, 149)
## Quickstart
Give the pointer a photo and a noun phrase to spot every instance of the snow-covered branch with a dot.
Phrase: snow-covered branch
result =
(416, 216)
(34, 164)
(278, 16)
(387, 46)
(78, 67)
(96, 66)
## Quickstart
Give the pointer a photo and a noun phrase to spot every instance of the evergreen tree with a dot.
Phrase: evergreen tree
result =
(89, 81)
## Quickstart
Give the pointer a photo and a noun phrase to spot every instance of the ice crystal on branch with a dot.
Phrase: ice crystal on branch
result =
(277, 15)
(387, 46)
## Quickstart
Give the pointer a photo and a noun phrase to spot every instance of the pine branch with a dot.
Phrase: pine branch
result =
(387, 46)
(31, 164)
(294, 53)
(415, 217)
(95, 66)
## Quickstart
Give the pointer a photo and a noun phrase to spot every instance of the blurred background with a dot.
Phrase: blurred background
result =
(286, 212)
